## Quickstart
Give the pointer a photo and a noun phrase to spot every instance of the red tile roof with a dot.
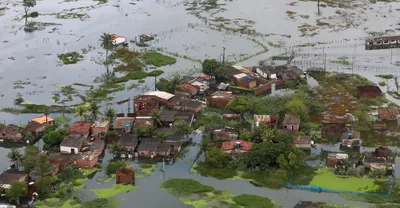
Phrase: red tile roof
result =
(80, 127)
(230, 145)
(188, 88)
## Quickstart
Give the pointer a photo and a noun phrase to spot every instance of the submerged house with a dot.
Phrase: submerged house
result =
(11, 175)
(82, 128)
(369, 91)
(148, 147)
(129, 142)
(351, 139)
(12, 133)
(335, 159)
(381, 158)
(291, 122)
(100, 128)
(236, 146)
(220, 99)
(38, 125)
(302, 142)
(87, 159)
(389, 113)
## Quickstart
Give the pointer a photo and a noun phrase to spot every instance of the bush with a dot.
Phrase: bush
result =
(112, 167)
(182, 186)
(34, 14)
(112, 134)
(253, 201)
(382, 84)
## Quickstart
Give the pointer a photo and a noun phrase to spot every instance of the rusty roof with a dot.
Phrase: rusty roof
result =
(101, 123)
(230, 145)
(8, 176)
(222, 95)
(120, 122)
(188, 88)
(42, 119)
(80, 127)
(302, 140)
(291, 120)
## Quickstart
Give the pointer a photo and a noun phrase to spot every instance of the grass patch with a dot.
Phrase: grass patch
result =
(222, 173)
(114, 190)
(274, 179)
(147, 169)
(137, 75)
(253, 201)
(157, 59)
(71, 15)
(342, 60)
(70, 58)
(326, 178)
(182, 187)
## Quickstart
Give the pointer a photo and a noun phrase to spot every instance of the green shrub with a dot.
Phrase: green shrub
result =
(182, 186)
(112, 167)
(253, 201)
(112, 134)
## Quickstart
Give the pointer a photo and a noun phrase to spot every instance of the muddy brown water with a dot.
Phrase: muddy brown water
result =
(32, 57)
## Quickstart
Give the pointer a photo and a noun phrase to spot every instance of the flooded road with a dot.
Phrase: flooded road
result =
(32, 58)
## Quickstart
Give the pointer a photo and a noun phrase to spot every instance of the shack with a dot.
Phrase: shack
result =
(351, 139)
(72, 144)
(220, 99)
(143, 121)
(87, 159)
(335, 159)
(11, 175)
(369, 91)
(125, 176)
(291, 123)
(190, 105)
(123, 124)
(302, 142)
(129, 142)
(389, 113)
(100, 128)
(230, 114)
(236, 147)
(82, 128)
(267, 120)
(12, 133)
(222, 133)
(97, 146)
(164, 149)
(144, 105)
(38, 125)
(148, 147)
(381, 158)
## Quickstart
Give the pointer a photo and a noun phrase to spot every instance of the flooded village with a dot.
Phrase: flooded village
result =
(120, 103)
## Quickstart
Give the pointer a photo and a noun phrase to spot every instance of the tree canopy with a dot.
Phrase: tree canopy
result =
(216, 158)
(169, 85)
(55, 137)
(17, 191)
(210, 66)
(182, 127)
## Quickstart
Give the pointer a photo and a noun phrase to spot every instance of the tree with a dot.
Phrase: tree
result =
(81, 111)
(106, 43)
(156, 117)
(67, 172)
(15, 157)
(283, 163)
(17, 191)
(268, 135)
(29, 158)
(94, 109)
(54, 138)
(115, 149)
(240, 104)
(42, 165)
(43, 185)
(144, 131)
(27, 5)
(169, 85)
(210, 66)
(363, 121)
(110, 115)
(297, 107)
(216, 158)
(182, 127)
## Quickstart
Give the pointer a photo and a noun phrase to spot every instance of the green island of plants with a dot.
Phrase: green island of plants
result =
(193, 193)
(114, 190)
(70, 58)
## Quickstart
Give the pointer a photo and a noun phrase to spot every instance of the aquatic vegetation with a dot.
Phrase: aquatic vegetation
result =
(253, 201)
(70, 15)
(157, 59)
(114, 190)
(70, 58)
(109, 202)
(342, 60)
(147, 169)
(36, 108)
(181, 187)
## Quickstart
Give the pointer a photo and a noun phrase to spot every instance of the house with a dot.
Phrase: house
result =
(331, 128)
(222, 133)
(302, 142)
(223, 86)
(380, 159)
(87, 159)
(188, 89)
(191, 105)
(267, 120)
(382, 152)
(11, 175)
(307, 204)
(172, 134)
(129, 142)
(80, 128)
(43, 120)
(125, 176)
(100, 128)
(334, 159)
(123, 123)
(389, 113)
(351, 139)
(12, 133)
(38, 125)
(220, 99)
(230, 114)
(164, 149)
(236, 146)
(61, 159)
(291, 122)
(143, 121)
(175, 147)
(168, 117)
(72, 144)
(244, 80)
(187, 116)
(144, 105)
(97, 146)
(148, 147)
(369, 91)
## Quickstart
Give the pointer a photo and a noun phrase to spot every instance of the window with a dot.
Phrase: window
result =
(142, 153)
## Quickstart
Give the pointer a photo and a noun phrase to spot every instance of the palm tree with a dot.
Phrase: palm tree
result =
(268, 135)
(110, 115)
(115, 148)
(204, 147)
(15, 156)
(81, 111)
(106, 78)
(94, 109)
(106, 43)
(156, 116)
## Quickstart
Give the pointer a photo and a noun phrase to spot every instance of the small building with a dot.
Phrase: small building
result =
(81, 128)
(331, 128)
(380, 159)
(187, 116)
(129, 142)
(220, 99)
(100, 128)
(125, 176)
(302, 142)
(38, 125)
(291, 122)
(230, 114)
(267, 120)
(222, 133)
(12, 133)
(223, 86)
(334, 159)
(165, 149)
(11, 175)
(188, 89)
(236, 146)
(121, 123)
(97, 146)
(191, 105)
(148, 147)
(87, 159)
(143, 121)
(175, 147)
(168, 117)
(307, 204)
(43, 120)
(244, 80)
(61, 159)
(72, 144)
(369, 91)
(351, 139)
(144, 105)
(389, 113)
(382, 152)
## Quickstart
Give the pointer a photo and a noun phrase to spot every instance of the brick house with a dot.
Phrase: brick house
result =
(148, 147)
(369, 91)
(87, 159)
(187, 89)
(389, 113)
(121, 123)
(125, 176)
(164, 149)
(244, 80)
(191, 105)
(144, 105)
(334, 159)
(82, 128)
(100, 128)
(230, 114)
(267, 120)
(291, 123)
(220, 99)
(72, 144)
(331, 128)
(129, 142)
(97, 146)
(11, 175)
(236, 146)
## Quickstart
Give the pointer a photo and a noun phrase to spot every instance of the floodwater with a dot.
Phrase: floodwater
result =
(32, 58)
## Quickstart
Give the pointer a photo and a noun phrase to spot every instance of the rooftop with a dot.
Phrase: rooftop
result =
(80, 127)
(165, 146)
(302, 140)
(223, 86)
(240, 76)
(291, 120)
(191, 103)
(351, 135)
(188, 88)
(97, 144)
(101, 123)
(128, 140)
(204, 76)
(149, 145)
(72, 141)
(264, 118)
(120, 122)
(160, 94)
(222, 94)
(10, 175)
(338, 156)
(390, 111)
(239, 144)
(42, 119)
(58, 156)
(88, 155)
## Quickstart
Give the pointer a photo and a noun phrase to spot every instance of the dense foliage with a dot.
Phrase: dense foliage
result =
(112, 167)
(253, 201)
(180, 186)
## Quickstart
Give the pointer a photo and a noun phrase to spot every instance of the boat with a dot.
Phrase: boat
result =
(145, 38)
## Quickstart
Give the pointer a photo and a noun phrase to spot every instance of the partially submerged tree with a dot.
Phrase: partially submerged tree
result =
(17, 191)
(216, 158)
(15, 157)
(106, 43)
(156, 117)
(169, 85)
(29, 158)
(94, 109)
(27, 5)
(182, 127)
(110, 115)
(81, 111)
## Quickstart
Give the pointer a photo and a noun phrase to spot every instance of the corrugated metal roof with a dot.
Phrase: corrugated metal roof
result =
(239, 76)
(160, 94)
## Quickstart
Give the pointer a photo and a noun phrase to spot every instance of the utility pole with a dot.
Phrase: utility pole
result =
(129, 105)
(391, 55)
(223, 55)
(155, 83)
(354, 60)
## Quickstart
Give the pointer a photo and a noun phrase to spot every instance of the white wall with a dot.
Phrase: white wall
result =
(64, 149)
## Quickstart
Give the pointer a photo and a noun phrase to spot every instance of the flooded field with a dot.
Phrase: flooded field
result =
(251, 31)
